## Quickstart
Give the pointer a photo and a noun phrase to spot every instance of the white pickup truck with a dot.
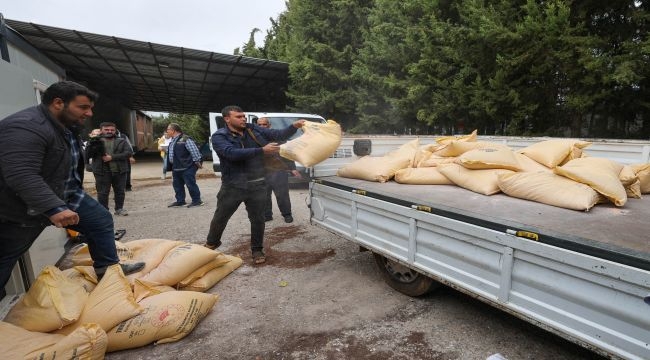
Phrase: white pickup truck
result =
(586, 277)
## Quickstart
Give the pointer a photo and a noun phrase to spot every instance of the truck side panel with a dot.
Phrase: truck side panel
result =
(594, 302)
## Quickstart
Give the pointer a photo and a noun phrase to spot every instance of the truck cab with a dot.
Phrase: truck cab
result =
(277, 120)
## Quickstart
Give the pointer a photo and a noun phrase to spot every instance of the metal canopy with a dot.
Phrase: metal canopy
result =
(155, 77)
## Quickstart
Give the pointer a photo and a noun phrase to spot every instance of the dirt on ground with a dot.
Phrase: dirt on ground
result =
(319, 297)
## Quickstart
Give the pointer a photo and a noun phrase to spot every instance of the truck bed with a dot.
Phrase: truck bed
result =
(618, 234)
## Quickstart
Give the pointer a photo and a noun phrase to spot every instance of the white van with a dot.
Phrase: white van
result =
(277, 120)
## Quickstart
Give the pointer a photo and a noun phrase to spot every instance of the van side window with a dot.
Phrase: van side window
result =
(220, 122)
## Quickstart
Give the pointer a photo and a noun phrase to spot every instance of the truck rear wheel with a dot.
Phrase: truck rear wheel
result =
(404, 279)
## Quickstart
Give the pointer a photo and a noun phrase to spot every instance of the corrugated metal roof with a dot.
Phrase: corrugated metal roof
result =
(154, 77)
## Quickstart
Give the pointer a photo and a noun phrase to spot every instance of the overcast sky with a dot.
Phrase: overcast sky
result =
(219, 25)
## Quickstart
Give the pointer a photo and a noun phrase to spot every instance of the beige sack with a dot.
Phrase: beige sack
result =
(599, 173)
(435, 160)
(215, 275)
(81, 256)
(642, 171)
(318, 142)
(421, 176)
(633, 190)
(143, 289)
(489, 159)
(180, 262)
(408, 151)
(167, 317)
(82, 275)
(88, 342)
(458, 148)
(372, 168)
(627, 175)
(381, 168)
(110, 303)
(630, 182)
(548, 188)
(220, 260)
(52, 302)
(149, 251)
(464, 138)
(424, 153)
(529, 165)
(480, 181)
(551, 153)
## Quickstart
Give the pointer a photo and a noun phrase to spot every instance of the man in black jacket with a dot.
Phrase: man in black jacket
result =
(241, 148)
(277, 181)
(110, 165)
(41, 177)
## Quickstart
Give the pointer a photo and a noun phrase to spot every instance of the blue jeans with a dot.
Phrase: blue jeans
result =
(187, 177)
(228, 200)
(278, 183)
(95, 222)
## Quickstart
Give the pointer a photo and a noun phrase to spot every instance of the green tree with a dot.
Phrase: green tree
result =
(193, 125)
(250, 49)
(319, 40)
(517, 67)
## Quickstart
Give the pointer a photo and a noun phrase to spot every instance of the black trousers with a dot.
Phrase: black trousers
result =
(103, 184)
(228, 200)
(278, 183)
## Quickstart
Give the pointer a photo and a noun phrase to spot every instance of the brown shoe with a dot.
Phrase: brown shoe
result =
(258, 257)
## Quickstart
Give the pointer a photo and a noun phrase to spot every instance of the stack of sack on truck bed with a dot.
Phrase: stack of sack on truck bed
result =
(555, 172)
(69, 314)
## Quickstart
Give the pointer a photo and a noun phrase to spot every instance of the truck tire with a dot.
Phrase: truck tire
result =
(404, 279)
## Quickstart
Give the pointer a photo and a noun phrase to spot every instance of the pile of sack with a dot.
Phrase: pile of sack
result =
(555, 172)
(69, 314)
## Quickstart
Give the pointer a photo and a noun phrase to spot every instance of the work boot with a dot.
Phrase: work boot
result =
(126, 269)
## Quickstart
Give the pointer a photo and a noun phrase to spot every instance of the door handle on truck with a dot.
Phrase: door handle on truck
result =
(524, 234)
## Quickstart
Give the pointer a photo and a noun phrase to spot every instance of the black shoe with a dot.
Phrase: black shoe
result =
(128, 188)
(212, 246)
(176, 204)
(121, 212)
(126, 269)
(288, 219)
(195, 204)
(268, 218)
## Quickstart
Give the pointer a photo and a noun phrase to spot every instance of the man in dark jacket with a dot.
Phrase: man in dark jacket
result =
(41, 177)
(241, 148)
(110, 166)
(277, 181)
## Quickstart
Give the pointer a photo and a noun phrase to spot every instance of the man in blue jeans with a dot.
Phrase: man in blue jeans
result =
(41, 177)
(241, 148)
(184, 159)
